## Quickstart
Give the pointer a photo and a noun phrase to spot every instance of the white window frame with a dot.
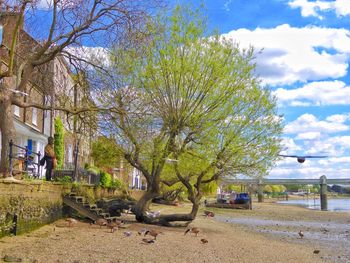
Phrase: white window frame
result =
(16, 111)
(35, 116)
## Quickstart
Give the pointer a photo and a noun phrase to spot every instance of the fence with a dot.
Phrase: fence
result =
(82, 176)
(26, 161)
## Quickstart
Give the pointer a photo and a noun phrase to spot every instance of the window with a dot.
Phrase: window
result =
(70, 154)
(16, 110)
(35, 116)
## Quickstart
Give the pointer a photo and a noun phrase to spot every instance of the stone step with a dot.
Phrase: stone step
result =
(96, 210)
(79, 199)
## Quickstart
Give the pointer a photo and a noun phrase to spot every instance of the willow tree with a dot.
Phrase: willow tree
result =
(58, 28)
(190, 100)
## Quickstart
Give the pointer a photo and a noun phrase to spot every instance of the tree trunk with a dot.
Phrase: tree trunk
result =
(165, 220)
(143, 204)
(6, 123)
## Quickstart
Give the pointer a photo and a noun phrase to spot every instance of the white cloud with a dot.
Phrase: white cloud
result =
(308, 136)
(316, 94)
(338, 118)
(291, 54)
(289, 145)
(315, 8)
(309, 123)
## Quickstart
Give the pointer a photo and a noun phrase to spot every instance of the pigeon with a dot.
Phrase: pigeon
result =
(127, 233)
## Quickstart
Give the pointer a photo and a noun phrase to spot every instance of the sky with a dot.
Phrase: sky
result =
(303, 55)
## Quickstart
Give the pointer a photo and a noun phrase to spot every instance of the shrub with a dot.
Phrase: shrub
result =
(105, 179)
(64, 179)
(115, 184)
(59, 142)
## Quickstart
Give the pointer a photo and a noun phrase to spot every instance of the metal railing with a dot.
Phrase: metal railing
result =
(30, 167)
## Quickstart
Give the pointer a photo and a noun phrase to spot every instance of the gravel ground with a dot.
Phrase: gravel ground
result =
(231, 241)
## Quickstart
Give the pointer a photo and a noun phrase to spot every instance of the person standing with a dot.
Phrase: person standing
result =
(50, 159)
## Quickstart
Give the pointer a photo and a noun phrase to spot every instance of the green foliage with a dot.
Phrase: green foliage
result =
(233, 187)
(195, 99)
(105, 179)
(116, 184)
(105, 152)
(64, 179)
(59, 142)
(94, 169)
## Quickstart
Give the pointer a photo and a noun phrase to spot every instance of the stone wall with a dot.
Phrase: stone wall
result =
(34, 205)
(40, 203)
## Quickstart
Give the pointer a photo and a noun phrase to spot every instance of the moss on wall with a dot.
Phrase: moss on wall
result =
(39, 203)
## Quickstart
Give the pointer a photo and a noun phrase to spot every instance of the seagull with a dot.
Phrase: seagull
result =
(301, 158)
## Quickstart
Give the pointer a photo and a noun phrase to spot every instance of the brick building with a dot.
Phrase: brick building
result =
(47, 83)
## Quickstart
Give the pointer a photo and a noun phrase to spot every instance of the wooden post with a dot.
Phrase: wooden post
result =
(323, 192)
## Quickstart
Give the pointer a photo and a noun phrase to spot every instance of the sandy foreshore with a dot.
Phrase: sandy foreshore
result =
(268, 233)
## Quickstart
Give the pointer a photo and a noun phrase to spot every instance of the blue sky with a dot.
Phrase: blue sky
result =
(305, 61)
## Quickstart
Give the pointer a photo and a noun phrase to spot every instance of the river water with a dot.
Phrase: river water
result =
(337, 205)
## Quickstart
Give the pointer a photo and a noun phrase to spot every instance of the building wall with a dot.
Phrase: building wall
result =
(50, 83)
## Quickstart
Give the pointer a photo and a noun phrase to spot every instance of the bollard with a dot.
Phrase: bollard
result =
(323, 192)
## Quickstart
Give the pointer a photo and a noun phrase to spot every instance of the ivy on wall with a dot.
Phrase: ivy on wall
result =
(59, 142)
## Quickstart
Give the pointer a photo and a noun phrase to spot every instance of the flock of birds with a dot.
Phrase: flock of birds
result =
(115, 225)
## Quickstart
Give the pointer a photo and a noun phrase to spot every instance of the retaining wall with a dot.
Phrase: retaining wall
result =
(39, 203)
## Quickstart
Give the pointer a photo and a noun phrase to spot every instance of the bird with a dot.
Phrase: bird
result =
(301, 234)
(71, 221)
(142, 231)
(204, 241)
(300, 158)
(119, 222)
(209, 213)
(153, 233)
(101, 222)
(112, 226)
(127, 233)
(193, 230)
(148, 241)
(316, 251)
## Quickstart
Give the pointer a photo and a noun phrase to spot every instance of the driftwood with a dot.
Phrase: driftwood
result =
(115, 206)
